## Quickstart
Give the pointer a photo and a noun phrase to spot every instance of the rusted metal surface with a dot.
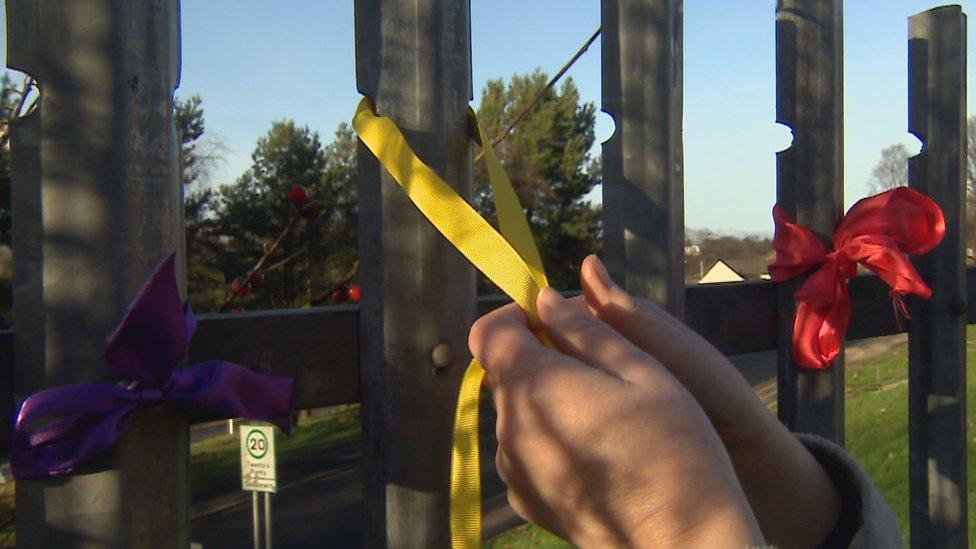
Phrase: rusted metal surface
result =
(810, 187)
(643, 196)
(413, 58)
(96, 205)
(937, 335)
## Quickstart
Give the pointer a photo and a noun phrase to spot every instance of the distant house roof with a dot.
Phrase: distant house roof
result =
(750, 267)
(737, 270)
(721, 272)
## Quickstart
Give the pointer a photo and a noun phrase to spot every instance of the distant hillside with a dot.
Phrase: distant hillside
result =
(747, 255)
(697, 236)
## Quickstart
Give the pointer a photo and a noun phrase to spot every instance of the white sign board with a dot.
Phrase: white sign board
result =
(258, 458)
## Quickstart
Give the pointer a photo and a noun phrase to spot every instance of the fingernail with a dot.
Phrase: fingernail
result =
(549, 298)
(601, 273)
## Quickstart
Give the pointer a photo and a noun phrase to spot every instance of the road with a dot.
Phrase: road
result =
(319, 503)
(204, 431)
(320, 510)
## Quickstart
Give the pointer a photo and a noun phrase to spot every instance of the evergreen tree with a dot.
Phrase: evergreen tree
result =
(252, 212)
(4, 192)
(205, 283)
(547, 158)
(9, 101)
(198, 157)
(12, 106)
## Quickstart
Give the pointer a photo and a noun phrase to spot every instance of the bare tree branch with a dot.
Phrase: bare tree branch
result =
(892, 170)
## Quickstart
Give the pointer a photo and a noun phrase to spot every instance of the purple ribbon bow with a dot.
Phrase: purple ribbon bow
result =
(58, 429)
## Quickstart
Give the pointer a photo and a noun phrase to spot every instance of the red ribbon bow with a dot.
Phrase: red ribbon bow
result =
(879, 232)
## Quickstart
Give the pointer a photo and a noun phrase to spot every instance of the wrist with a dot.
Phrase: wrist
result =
(790, 492)
(726, 521)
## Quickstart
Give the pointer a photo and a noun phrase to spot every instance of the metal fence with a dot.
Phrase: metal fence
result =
(96, 203)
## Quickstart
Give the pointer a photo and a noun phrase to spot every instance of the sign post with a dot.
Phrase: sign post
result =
(258, 473)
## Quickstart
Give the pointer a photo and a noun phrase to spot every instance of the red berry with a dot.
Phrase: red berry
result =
(257, 279)
(238, 288)
(298, 195)
(312, 211)
(354, 293)
(340, 294)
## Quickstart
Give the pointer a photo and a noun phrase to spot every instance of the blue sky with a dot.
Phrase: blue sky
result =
(255, 61)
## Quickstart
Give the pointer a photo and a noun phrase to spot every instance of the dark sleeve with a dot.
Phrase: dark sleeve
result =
(865, 518)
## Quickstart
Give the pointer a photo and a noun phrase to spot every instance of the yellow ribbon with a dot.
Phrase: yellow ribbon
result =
(511, 261)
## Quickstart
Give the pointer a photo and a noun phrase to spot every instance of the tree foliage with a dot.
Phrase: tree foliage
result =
(8, 103)
(16, 100)
(714, 247)
(971, 183)
(190, 130)
(229, 228)
(971, 158)
(892, 170)
(199, 155)
(5, 224)
(190, 126)
(547, 156)
(247, 216)
(12, 105)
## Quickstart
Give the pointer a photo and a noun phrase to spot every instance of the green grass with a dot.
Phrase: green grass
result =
(877, 436)
(876, 422)
(8, 535)
(526, 535)
(877, 425)
(215, 463)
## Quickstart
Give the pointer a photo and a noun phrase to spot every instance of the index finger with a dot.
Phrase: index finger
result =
(503, 342)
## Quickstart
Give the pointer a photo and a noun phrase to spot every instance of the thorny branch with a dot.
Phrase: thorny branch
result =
(312, 299)
(246, 281)
(538, 97)
(322, 296)
(259, 267)
(286, 260)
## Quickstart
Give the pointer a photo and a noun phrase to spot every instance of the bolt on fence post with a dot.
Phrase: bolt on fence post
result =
(643, 193)
(810, 187)
(413, 58)
(96, 205)
(937, 330)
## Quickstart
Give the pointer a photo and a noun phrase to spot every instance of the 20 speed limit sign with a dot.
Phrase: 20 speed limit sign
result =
(258, 471)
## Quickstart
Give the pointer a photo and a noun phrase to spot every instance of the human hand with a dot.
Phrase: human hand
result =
(791, 495)
(602, 445)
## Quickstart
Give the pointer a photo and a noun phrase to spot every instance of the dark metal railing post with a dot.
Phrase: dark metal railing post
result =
(96, 205)
(810, 187)
(937, 330)
(413, 58)
(643, 193)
